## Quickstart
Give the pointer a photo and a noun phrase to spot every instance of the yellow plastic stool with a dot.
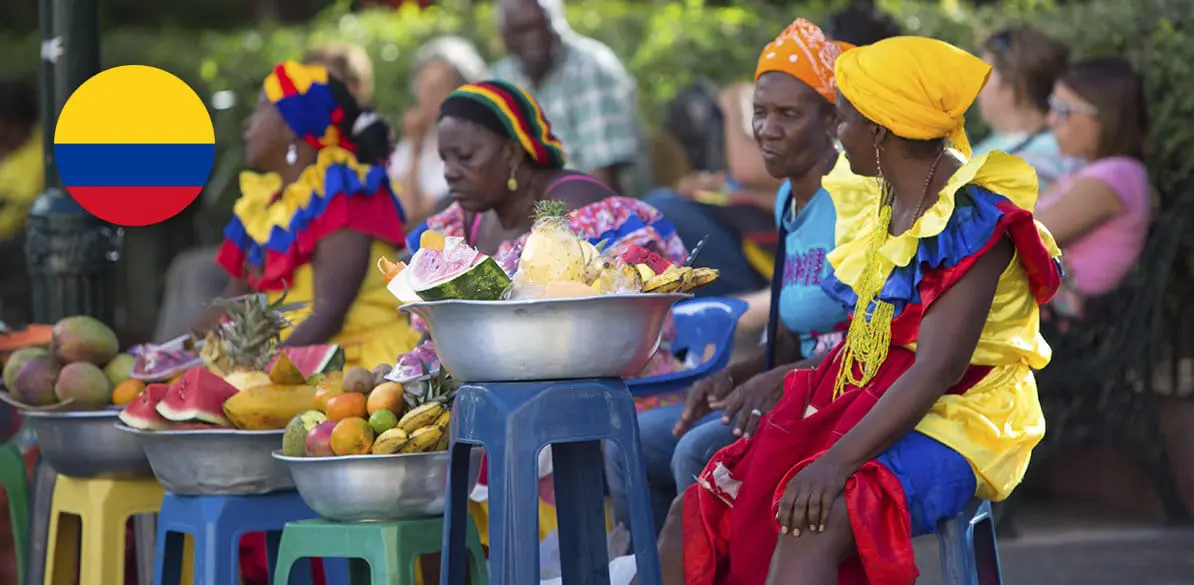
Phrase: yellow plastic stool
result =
(102, 507)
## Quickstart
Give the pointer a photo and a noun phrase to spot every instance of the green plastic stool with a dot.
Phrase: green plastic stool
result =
(15, 481)
(388, 549)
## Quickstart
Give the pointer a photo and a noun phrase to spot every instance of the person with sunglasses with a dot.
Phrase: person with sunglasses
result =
(1015, 102)
(1099, 214)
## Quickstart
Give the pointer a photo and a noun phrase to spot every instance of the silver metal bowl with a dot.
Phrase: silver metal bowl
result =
(372, 488)
(209, 462)
(547, 339)
(86, 444)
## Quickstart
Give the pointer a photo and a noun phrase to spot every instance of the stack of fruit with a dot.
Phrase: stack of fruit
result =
(83, 368)
(360, 413)
(247, 382)
(555, 263)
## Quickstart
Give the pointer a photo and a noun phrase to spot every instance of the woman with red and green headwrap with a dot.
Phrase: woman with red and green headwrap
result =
(313, 224)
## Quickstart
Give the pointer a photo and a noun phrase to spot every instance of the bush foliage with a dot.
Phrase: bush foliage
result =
(667, 45)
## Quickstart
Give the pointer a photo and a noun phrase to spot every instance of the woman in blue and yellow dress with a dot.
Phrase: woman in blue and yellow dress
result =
(318, 218)
(930, 400)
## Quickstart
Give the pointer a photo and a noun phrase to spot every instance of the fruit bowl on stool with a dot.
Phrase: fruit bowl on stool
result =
(85, 444)
(214, 461)
(372, 488)
(602, 336)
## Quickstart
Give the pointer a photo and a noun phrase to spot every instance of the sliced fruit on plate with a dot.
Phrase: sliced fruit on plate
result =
(197, 396)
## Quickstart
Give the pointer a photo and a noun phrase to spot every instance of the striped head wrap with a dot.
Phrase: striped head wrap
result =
(310, 104)
(509, 111)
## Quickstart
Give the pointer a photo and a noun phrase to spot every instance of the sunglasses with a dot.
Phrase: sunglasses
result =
(1064, 110)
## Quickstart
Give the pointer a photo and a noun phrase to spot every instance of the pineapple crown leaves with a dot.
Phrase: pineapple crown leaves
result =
(550, 209)
(253, 328)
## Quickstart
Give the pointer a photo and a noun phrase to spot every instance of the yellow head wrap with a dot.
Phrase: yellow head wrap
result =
(917, 87)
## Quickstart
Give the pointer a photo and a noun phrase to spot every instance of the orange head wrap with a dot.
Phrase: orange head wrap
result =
(803, 52)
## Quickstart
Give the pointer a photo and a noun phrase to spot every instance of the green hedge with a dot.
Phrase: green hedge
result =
(668, 45)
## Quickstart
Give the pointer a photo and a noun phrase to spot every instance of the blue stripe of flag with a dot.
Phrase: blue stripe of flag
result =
(134, 165)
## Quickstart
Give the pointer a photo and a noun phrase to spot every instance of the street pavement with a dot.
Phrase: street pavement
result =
(1066, 544)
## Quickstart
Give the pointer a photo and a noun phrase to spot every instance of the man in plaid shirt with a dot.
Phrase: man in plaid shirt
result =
(586, 93)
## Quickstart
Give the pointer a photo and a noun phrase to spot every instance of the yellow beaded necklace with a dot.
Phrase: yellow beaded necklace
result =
(869, 336)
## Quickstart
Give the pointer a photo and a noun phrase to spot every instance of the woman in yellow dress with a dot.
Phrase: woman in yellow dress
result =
(318, 218)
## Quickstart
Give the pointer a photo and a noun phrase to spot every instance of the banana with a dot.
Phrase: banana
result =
(703, 276)
(423, 439)
(644, 272)
(389, 442)
(443, 419)
(668, 281)
(444, 440)
(420, 416)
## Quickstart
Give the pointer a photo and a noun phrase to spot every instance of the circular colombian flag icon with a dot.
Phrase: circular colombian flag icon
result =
(134, 145)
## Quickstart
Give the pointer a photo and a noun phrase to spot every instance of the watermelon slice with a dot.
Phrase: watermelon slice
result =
(636, 254)
(458, 271)
(312, 359)
(198, 396)
(142, 412)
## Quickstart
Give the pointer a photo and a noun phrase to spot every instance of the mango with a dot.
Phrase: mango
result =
(85, 383)
(34, 382)
(83, 339)
(18, 359)
(120, 368)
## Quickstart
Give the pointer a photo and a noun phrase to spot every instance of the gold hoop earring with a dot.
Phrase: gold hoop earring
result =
(512, 182)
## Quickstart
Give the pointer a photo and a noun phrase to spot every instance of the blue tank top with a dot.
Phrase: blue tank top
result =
(804, 308)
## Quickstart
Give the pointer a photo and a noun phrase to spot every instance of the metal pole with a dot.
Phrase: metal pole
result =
(71, 255)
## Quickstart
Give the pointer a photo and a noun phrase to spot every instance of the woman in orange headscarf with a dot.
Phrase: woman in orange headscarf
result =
(794, 124)
(930, 399)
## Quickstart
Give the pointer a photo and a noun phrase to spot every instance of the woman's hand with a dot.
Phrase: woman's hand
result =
(751, 400)
(701, 396)
(810, 495)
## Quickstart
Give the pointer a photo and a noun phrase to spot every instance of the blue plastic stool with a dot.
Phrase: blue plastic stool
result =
(217, 524)
(700, 323)
(969, 555)
(514, 421)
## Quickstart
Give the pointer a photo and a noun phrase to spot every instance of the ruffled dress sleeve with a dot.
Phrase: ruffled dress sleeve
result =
(275, 231)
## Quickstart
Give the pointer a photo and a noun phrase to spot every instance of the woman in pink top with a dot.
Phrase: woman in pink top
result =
(1100, 213)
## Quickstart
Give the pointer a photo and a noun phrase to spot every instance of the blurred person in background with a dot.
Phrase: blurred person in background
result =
(1100, 213)
(585, 90)
(440, 66)
(22, 179)
(861, 23)
(1015, 102)
(194, 278)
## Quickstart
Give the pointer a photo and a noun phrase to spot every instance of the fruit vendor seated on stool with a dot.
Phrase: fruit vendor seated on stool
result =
(795, 126)
(930, 400)
(312, 225)
(500, 159)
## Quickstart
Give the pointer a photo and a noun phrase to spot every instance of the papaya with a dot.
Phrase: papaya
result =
(269, 407)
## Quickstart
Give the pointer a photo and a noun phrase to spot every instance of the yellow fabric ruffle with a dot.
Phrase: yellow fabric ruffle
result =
(258, 211)
(996, 423)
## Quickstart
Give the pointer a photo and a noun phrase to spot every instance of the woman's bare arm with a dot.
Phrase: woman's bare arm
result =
(1087, 205)
(210, 317)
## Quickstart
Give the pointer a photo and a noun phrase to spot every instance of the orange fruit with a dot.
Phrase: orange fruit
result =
(323, 394)
(387, 396)
(126, 391)
(352, 436)
(346, 405)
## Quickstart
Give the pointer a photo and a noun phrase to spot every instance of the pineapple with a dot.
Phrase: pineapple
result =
(248, 338)
(552, 252)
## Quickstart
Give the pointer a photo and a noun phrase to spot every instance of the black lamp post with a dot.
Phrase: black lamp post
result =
(71, 254)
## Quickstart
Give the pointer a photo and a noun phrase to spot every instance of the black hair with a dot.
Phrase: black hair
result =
(861, 23)
(18, 103)
(363, 127)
